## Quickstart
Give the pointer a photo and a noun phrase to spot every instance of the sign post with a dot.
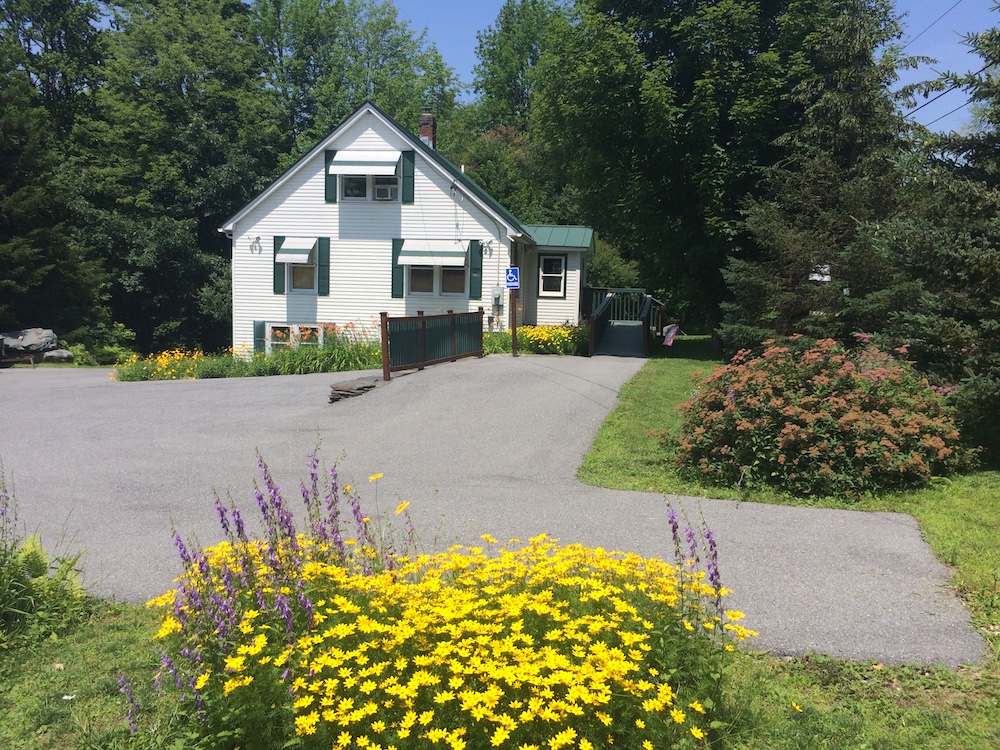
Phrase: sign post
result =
(512, 276)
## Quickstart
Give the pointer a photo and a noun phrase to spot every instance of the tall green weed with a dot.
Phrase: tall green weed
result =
(39, 594)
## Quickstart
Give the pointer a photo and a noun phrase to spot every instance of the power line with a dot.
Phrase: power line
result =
(946, 91)
(959, 2)
(960, 106)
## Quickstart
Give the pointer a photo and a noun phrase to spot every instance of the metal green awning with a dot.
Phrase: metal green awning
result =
(564, 236)
(296, 250)
(431, 253)
(381, 163)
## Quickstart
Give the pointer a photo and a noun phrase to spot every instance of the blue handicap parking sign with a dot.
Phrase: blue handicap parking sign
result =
(513, 277)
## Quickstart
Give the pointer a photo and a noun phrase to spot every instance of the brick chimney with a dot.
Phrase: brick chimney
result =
(428, 128)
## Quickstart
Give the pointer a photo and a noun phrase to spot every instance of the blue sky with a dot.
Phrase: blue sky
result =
(453, 24)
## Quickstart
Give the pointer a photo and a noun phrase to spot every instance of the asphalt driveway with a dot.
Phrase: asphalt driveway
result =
(477, 446)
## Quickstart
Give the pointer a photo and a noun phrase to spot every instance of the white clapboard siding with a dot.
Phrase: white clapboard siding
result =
(361, 235)
(557, 311)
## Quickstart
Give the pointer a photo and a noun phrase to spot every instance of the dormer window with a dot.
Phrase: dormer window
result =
(366, 175)
(369, 176)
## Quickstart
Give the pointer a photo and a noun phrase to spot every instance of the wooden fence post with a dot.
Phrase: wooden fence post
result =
(423, 334)
(385, 345)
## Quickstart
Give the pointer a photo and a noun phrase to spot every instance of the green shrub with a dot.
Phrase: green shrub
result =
(977, 403)
(39, 594)
(497, 342)
(816, 419)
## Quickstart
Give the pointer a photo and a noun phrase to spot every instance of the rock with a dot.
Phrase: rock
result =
(339, 391)
(58, 355)
(29, 341)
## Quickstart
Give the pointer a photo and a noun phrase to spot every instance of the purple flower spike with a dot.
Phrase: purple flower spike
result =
(223, 516)
(675, 532)
(182, 550)
(238, 523)
(692, 540)
(125, 686)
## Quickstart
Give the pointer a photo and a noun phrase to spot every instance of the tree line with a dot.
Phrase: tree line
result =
(749, 161)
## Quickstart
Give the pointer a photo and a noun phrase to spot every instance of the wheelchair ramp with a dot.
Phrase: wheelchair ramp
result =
(622, 338)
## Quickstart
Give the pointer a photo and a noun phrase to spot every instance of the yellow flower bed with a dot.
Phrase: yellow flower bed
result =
(173, 364)
(551, 339)
(535, 646)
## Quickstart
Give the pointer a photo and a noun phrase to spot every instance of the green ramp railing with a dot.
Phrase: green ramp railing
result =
(413, 343)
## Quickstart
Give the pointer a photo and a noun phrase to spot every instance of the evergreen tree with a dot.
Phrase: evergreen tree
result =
(48, 277)
(805, 262)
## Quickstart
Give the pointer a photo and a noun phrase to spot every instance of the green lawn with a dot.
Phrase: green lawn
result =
(844, 704)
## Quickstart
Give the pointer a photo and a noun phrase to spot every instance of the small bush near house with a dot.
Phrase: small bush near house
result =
(553, 339)
(816, 419)
(350, 644)
(39, 594)
(496, 342)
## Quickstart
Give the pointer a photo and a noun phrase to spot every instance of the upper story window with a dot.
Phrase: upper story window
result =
(384, 176)
(382, 188)
(354, 187)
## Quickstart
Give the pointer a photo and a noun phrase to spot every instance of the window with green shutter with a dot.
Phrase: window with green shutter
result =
(397, 270)
(279, 268)
(259, 336)
(408, 170)
(323, 267)
(329, 180)
(475, 269)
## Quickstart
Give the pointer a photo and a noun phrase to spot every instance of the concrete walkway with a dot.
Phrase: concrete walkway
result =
(477, 446)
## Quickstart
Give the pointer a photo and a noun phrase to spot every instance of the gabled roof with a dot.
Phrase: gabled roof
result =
(570, 236)
(485, 200)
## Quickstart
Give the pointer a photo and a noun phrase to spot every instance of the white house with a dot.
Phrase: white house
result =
(374, 219)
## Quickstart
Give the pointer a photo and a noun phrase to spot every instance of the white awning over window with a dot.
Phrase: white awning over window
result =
(431, 253)
(380, 163)
(296, 250)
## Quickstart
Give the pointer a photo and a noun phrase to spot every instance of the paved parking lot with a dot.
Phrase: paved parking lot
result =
(477, 446)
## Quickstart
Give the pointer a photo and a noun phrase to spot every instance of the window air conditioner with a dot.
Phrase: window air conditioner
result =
(384, 193)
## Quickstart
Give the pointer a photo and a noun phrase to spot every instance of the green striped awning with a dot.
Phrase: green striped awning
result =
(382, 163)
(431, 253)
(295, 250)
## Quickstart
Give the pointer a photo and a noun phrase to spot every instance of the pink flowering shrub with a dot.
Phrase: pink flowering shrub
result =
(816, 419)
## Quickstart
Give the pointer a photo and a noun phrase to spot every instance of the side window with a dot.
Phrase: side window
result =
(551, 275)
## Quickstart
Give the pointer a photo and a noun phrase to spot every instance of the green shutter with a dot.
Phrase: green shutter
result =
(397, 270)
(407, 186)
(323, 266)
(475, 269)
(329, 180)
(279, 268)
(258, 336)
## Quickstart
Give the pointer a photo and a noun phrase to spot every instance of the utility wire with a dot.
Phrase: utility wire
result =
(960, 106)
(932, 24)
(946, 91)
